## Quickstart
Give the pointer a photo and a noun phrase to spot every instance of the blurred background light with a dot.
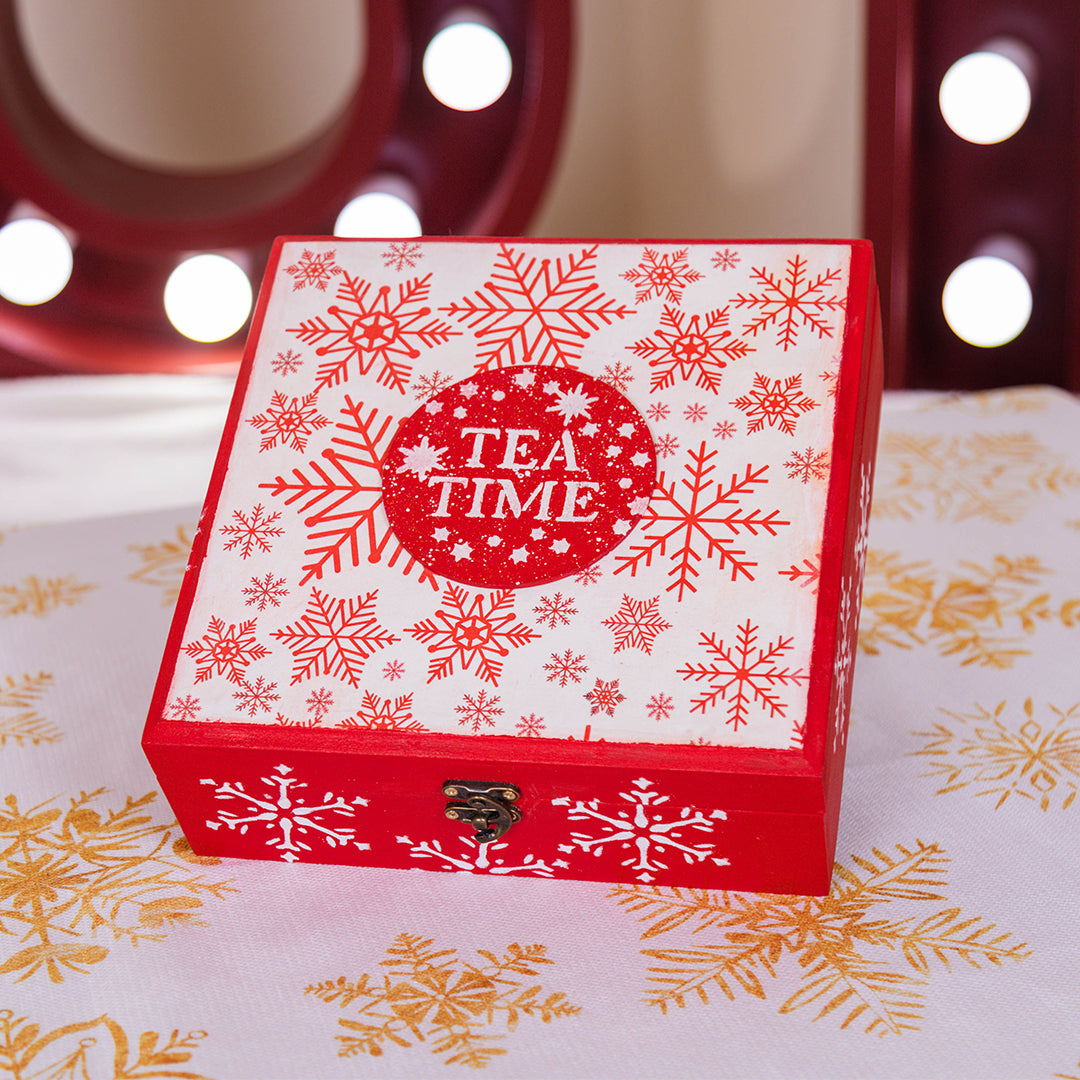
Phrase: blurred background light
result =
(377, 214)
(208, 297)
(467, 66)
(987, 301)
(985, 96)
(35, 261)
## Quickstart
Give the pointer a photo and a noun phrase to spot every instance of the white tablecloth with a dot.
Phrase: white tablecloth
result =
(947, 947)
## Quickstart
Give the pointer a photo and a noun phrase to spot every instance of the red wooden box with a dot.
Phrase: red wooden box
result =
(585, 518)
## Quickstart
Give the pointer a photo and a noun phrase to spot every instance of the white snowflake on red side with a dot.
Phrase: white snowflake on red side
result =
(288, 423)
(555, 610)
(648, 836)
(693, 520)
(251, 532)
(265, 592)
(319, 702)
(256, 697)
(637, 624)
(473, 858)
(402, 254)
(477, 711)
(312, 269)
(184, 708)
(285, 363)
(379, 714)
(478, 629)
(618, 375)
(339, 498)
(531, 725)
(688, 349)
(367, 327)
(334, 637)
(725, 260)
(605, 697)
(792, 302)
(807, 465)
(661, 275)
(427, 386)
(280, 810)
(659, 707)
(566, 667)
(536, 311)
(225, 650)
(779, 403)
(743, 675)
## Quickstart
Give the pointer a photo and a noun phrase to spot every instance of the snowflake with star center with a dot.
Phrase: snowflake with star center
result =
(778, 403)
(225, 650)
(605, 697)
(659, 275)
(312, 269)
(807, 465)
(288, 422)
(279, 808)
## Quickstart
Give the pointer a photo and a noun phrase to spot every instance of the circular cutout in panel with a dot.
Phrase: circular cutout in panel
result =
(518, 476)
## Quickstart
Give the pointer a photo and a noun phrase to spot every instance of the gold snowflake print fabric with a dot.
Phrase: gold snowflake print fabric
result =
(981, 614)
(162, 565)
(38, 596)
(431, 995)
(74, 880)
(21, 723)
(1006, 753)
(99, 1048)
(863, 957)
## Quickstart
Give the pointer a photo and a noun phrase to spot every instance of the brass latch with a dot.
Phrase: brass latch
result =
(487, 807)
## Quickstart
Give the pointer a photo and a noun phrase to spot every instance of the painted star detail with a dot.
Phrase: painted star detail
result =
(524, 379)
(442, 535)
(627, 430)
(520, 554)
(469, 390)
(640, 459)
(589, 429)
(622, 527)
(640, 505)
(462, 551)
(433, 407)
(460, 413)
(560, 547)
(613, 451)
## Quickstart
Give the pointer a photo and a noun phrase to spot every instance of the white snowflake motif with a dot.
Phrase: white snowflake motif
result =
(571, 404)
(402, 254)
(474, 858)
(645, 834)
(281, 810)
(422, 458)
(312, 269)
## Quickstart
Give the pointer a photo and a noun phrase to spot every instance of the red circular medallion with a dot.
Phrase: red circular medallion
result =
(518, 476)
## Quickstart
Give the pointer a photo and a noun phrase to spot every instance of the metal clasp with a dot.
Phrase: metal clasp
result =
(487, 807)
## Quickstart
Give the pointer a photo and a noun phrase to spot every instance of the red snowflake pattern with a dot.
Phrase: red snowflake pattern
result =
(667, 446)
(334, 637)
(536, 311)
(806, 574)
(378, 714)
(184, 708)
(319, 702)
(808, 465)
(725, 430)
(340, 498)
(832, 381)
(743, 674)
(658, 411)
(555, 610)
(288, 423)
(480, 629)
(256, 697)
(531, 725)
(566, 668)
(251, 532)
(685, 348)
(659, 707)
(637, 624)
(604, 697)
(427, 386)
(694, 412)
(368, 328)
(312, 269)
(478, 711)
(265, 592)
(687, 521)
(226, 650)
(618, 375)
(725, 260)
(402, 254)
(285, 363)
(661, 275)
(792, 302)
(589, 576)
(779, 403)
(393, 671)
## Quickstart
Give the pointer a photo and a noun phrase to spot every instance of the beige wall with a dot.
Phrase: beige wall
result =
(694, 118)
